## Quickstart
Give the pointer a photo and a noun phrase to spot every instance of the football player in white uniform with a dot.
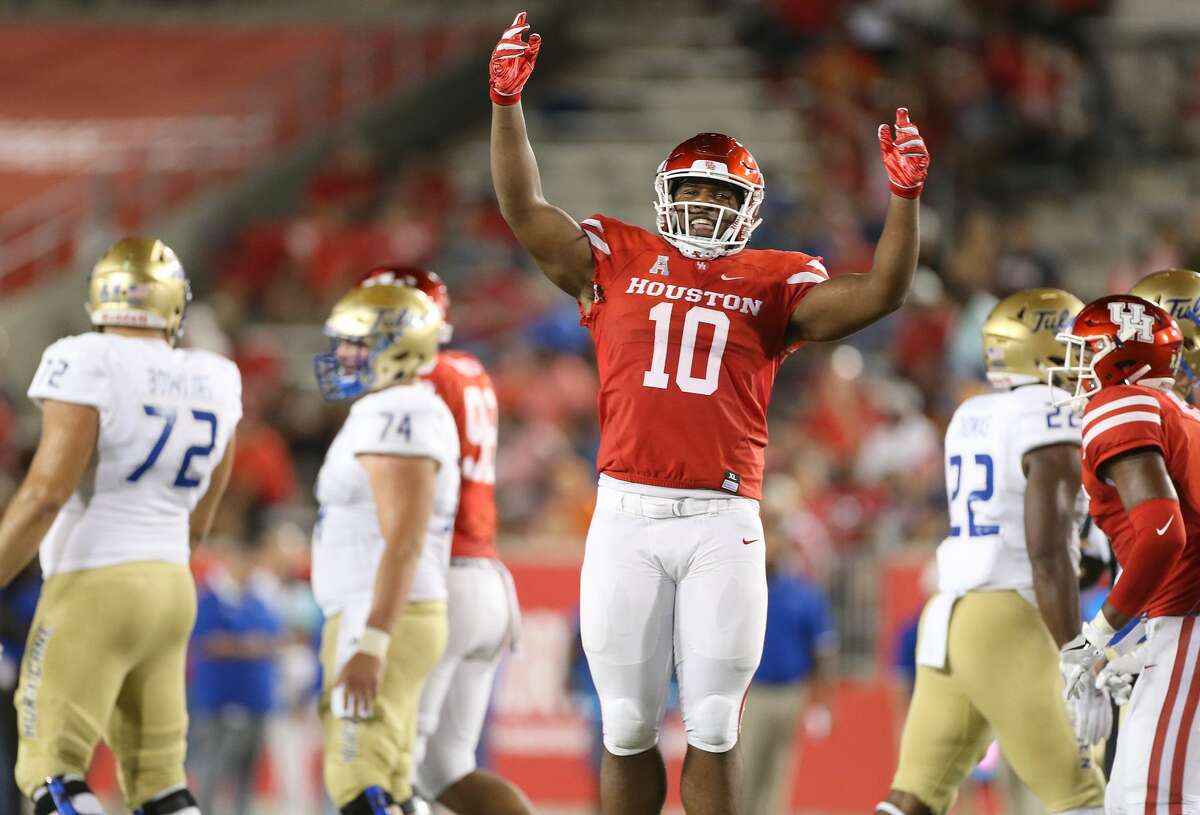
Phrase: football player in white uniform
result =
(1008, 596)
(388, 492)
(106, 652)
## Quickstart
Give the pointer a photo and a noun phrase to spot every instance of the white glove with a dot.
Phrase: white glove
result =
(1079, 656)
(1117, 676)
(1090, 714)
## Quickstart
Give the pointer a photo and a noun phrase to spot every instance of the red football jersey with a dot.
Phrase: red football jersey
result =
(1128, 417)
(466, 388)
(687, 352)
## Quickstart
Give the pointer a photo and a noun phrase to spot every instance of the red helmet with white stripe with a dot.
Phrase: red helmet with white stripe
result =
(1120, 340)
(710, 157)
(425, 280)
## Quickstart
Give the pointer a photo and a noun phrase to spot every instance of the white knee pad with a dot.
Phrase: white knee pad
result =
(627, 730)
(713, 725)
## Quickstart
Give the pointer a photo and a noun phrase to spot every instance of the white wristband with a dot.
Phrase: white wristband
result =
(374, 642)
(1101, 629)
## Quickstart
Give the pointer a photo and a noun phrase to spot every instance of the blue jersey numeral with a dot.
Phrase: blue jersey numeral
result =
(1060, 419)
(983, 462)
(183, 478)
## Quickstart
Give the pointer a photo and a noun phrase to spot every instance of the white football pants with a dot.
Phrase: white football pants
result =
(1157, 767)
(672, 579)
(483, 621)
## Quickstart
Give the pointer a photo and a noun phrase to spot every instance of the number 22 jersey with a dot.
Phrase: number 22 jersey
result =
(687, 352)
(986, 443)
(166, 417)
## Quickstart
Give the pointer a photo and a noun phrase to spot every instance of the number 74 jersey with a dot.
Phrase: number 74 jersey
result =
(986, 442)
(687, 352)
(166, 417)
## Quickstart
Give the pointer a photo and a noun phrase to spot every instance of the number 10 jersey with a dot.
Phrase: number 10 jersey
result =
(687, 352)
(986, 443)
(166, 417)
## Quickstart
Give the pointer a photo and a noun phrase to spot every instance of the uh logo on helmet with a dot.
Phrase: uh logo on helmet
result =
(711, 157)
(1119, 340)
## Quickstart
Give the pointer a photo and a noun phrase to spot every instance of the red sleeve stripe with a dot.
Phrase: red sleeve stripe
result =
(597, 241)
(1117, 421)
(1118, 404)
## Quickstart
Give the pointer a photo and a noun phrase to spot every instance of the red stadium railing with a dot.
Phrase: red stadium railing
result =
(125, 127)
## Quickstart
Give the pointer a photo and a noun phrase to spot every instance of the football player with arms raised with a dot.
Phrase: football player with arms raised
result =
(108, 644)
(690, 328)
(1008, 596)
(482, 612)
(1141, 471)
(388, 492)
(1177, 291)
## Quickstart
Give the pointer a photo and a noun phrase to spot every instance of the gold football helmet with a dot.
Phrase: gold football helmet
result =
(1019, 335)
(396, 327)
(139, 283)
(1178, 292)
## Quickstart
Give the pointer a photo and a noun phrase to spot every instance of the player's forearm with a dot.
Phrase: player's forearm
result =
(896, 255)
(30, 515)
(515, 174)
(1056, 589)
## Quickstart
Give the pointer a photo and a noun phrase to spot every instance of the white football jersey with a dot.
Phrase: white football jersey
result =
(166, 417)
(985, 484)
(406, 420)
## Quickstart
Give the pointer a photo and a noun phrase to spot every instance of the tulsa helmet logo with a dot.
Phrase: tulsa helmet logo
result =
(1054, 320)
(1135, 323)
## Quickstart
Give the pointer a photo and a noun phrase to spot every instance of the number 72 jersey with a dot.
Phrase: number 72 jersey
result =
(687, 352)
(166, 417)
(986, 443)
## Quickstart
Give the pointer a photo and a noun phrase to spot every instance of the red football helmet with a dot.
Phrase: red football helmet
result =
(1120, 340)
(424, 280)
(715, 157)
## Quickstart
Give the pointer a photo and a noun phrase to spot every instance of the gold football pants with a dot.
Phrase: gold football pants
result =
(105, 659)
(1002, 675)
(378, 751)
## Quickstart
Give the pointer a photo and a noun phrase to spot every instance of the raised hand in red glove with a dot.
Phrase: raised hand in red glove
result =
(512, 62)
(905, 158)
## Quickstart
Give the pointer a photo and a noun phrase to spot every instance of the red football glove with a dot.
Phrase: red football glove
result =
(906, 159)
(512, 62)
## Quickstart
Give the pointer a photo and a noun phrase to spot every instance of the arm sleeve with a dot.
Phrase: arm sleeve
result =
(1121, 419)
(72, 370)
(1159, 538)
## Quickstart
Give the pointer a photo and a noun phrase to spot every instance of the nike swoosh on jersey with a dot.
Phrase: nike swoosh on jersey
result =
(1166, 526)
(748, 542)
(727, 277)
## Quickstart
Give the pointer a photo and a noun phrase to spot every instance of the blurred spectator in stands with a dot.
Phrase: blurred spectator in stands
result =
(347, 179)
(792, 686)
(18, 601)
(1021, 263)
(294, 732)
(234, 647)
(263, 472)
